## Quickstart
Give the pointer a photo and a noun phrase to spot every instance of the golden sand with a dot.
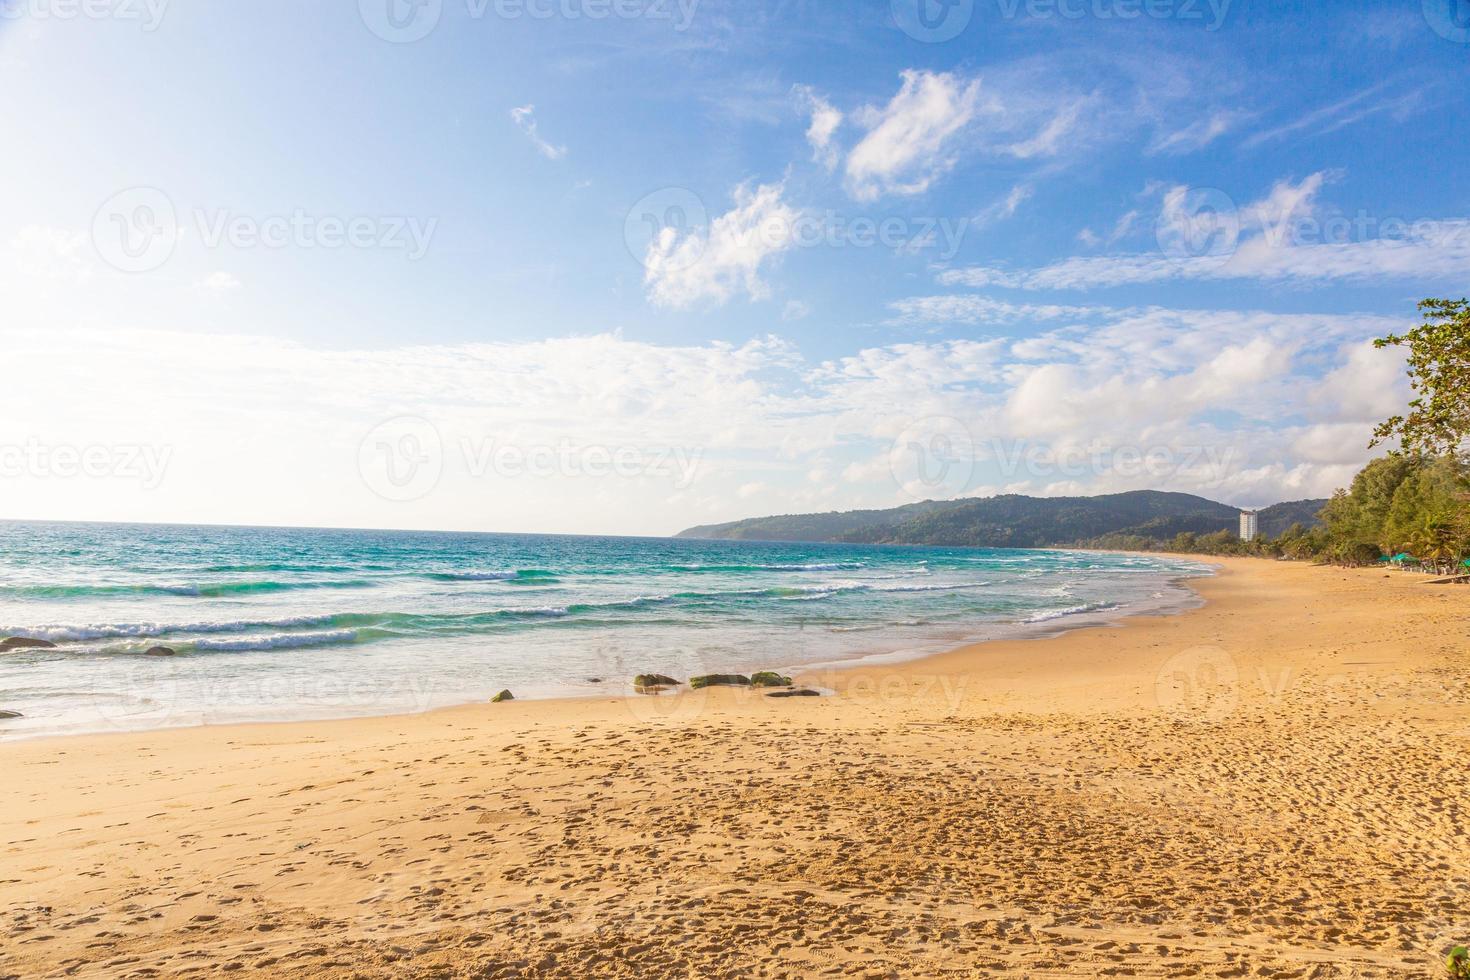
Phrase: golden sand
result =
(1272, 785)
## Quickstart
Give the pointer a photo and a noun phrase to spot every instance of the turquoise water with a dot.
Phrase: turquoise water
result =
(274, 624)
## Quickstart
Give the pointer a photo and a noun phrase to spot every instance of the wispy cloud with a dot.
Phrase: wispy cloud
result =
(1281, 237)
(1005, 207)
(1344, 112)
(714, 265)
(1048, 141)
(1198, 134)
(525, 118)
(908, 144)
(825, 118)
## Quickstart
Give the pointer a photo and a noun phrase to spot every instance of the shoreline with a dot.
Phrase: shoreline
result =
(1188, 599)
(1253, 787)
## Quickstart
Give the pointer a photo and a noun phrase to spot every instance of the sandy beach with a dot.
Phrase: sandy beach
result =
(1270, 785)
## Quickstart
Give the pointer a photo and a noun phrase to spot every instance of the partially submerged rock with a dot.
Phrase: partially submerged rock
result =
(10, 714)
(24, 642)
(798, 692)
(653, 683)
(503, 696)
(719, 680)
(769, 678)
(160, 652)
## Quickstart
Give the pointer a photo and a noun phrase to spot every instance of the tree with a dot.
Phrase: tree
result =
(1438, 421)
(1357, 515)
(1424, 516)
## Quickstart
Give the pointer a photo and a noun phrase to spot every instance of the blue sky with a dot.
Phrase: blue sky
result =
(1104, 238)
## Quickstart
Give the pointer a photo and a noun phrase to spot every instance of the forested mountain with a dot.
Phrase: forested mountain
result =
(1015, 521)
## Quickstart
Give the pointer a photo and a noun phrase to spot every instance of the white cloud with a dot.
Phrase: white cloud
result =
(1048, 141)
(982, 310)
(1284, 236)
(1198, 134)
(1249, 404)
(1005, 207)
(1344, 112)
(908, 144)
(525, 118)
(44, 253)
(795, 309)
(219, 282)
(825, 120)
(715, 265)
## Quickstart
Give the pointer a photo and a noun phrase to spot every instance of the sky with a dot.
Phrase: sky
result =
(627, 266)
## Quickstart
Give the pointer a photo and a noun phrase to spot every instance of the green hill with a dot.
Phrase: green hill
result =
(1014, 521)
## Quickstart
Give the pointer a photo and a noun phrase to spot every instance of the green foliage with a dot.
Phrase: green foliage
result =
(1438, 419)
(1457, 964)
(1015, 521)
(1395, 504)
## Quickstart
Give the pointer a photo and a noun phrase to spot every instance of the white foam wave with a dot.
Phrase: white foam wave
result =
(278, 641)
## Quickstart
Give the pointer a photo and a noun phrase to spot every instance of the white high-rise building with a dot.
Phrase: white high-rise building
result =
(1248, 525)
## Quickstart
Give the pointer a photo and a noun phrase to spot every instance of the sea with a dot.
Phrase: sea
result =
(276, 624)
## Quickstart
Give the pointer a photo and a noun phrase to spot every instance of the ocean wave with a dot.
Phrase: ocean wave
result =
(957, 587)
(207, 590)
(835, 566)
(60, 633)
(1050, 614)
(516, 575)
(276, 641)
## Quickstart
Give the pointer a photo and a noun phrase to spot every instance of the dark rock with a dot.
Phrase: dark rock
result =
(719, 680)
(22, 642)
(160, 652)
(769, 678)
(10, 714)
(594, 680)
(502, 696)
(652, 683)
(799, 692)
